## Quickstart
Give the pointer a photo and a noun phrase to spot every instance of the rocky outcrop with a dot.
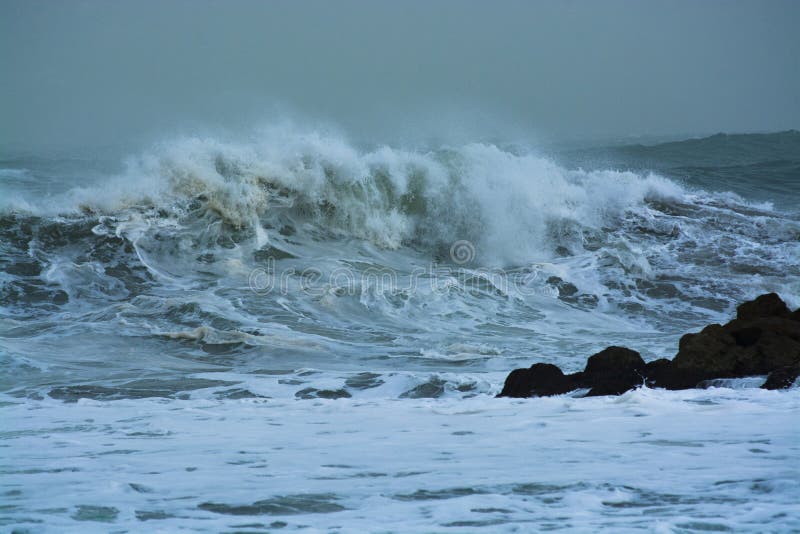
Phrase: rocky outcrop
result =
(540, 380)
(763, 339)
(764, 336)
(613, 371)
(782, 378)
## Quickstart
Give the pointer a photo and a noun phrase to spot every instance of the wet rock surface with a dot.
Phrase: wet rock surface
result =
(763, 339)
(540, 380)
(613, 371)
(782, 378)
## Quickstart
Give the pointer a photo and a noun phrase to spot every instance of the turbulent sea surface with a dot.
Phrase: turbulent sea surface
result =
(294, 332)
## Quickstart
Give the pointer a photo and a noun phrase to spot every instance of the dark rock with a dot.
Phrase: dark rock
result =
(763, 339)
(662, 373)
(764, 306)
(613, 371)
(782, 326)
(612, 361)
(782, 378)
(747, 336)
(615, 386)
(742, 347)
(540, 380)
(576, 379)
(709, 350)
(777, 351)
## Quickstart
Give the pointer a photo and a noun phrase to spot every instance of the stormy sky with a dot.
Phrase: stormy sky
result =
(92, 73)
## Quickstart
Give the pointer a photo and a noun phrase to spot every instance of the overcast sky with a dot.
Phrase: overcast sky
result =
(91, 73)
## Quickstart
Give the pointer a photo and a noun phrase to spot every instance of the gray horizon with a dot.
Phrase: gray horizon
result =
(90, 73)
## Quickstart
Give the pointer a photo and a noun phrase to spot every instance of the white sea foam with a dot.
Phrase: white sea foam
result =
(650, 460)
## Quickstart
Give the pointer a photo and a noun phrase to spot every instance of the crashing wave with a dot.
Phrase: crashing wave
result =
(512, 207)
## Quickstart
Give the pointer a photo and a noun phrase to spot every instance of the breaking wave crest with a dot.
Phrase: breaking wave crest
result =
(513, 207)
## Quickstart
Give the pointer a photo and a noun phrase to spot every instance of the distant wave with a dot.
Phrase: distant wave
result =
(760, 167)
(13, 173)
(722, 149)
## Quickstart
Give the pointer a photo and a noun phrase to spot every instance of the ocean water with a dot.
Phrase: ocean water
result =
(295, 332)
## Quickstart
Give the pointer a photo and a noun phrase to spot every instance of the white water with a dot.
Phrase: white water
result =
(654, 461)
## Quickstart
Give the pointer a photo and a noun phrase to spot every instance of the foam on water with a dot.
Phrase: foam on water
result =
(717, 459)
